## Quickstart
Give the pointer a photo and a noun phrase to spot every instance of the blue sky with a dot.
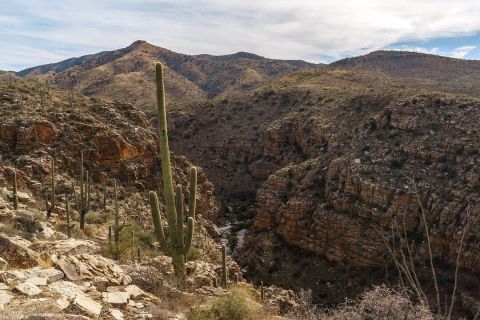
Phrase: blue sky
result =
(34, 32)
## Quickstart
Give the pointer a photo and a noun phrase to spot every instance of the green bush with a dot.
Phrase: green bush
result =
(233, 307)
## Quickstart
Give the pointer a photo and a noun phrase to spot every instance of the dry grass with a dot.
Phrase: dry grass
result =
(237, 305)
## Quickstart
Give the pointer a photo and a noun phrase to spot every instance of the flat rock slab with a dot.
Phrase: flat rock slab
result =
(115, 297)
(5, 297)
(66, 289)
(38, 281)
(51, 274)
(88, 305)
(62, 303)
(116, 314)
(28, 289)
(134, 291)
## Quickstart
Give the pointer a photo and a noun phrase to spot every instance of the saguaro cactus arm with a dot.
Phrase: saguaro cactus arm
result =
(189, 238)
(157, 221)
(179, 209)
(192, 201)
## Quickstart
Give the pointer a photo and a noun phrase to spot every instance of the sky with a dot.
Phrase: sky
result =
(34, 32)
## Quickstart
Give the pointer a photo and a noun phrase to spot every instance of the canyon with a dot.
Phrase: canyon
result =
(320, 165)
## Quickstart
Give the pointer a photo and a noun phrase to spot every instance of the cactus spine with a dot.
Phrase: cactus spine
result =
(177, 245)
(15, 195)
(224, 267)
(84, 201)
(51, 208)
(69, 225)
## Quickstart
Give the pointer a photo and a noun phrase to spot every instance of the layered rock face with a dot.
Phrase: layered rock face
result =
(117, 140)
(377, 168)
(332, 171)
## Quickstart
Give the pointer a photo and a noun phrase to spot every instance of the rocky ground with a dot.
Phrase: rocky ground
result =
(46, 275)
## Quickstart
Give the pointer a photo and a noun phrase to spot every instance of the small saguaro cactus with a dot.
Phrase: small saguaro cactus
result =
(178, 243)
(110, 248)
(104, 189)
(117, 228)
(51, 207)
(83, 204)
(67, 212)
(14, 191)
(133, 246)
(262, 291)
(224, 267)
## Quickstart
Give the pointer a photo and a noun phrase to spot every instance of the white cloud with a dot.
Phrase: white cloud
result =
(302, 29)
(417, 49)
(461, 52)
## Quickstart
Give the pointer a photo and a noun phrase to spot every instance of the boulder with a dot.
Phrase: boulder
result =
(87, 266)
(15, 251)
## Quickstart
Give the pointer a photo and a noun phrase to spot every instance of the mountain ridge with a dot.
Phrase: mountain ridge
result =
(119, 73)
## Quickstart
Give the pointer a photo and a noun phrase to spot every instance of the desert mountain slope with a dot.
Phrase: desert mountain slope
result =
(331, 161)
(419, 70)
(126, 74)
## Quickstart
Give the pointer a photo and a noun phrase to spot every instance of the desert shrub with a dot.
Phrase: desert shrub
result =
(306, 309)
(382, 303)
(194, 254)
(96, 218)
(396, 163)
(234, 306)
(25, 225)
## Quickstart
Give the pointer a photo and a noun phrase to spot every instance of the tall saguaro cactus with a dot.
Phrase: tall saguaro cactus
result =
(178, 244)
(83, 204)
(51, 207)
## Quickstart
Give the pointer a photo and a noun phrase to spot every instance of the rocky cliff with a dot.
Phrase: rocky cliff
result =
(375, 168)
(117, 140)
